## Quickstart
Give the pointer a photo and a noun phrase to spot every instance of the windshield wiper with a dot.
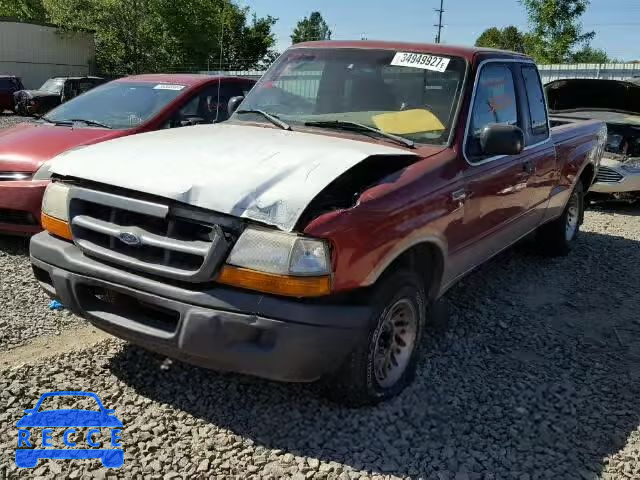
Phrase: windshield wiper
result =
(360, 127)
(89, 122)
(269, 116)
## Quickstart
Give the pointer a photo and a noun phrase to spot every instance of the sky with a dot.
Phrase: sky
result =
(616, 22)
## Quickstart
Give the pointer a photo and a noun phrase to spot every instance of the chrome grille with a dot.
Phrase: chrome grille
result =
(146, 236)
(608, 175)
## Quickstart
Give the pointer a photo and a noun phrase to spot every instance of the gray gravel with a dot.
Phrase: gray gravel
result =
(24, 312)
(8, 120)
(532, 373)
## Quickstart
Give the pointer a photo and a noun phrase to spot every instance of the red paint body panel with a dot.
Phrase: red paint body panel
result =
(503, 202)
(26, 146)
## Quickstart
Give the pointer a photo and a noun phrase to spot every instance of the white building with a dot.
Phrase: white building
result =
(37, 52)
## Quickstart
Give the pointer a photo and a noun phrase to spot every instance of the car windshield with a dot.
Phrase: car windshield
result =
(411, 95)
(118, 105)
(53, 85)
(63, 402)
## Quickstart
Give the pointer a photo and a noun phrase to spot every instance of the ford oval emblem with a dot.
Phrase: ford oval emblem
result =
(129, 238)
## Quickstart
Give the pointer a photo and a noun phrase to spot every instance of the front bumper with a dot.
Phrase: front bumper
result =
(215, 327)
(20, 204)
(619, 180)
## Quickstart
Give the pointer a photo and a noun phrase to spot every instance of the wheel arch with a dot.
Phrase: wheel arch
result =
(426, 256)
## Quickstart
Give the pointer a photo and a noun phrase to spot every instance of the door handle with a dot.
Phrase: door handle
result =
(528, 167)
(459, 195)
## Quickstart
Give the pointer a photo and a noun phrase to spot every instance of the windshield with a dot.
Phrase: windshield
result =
(118, 105)
(410, 95)
(53, 85)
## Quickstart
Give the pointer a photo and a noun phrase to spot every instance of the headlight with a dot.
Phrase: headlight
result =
(8, 176)
(281, 263)
(55, 201)
(43, 173)
(55, 210)
(280, 253)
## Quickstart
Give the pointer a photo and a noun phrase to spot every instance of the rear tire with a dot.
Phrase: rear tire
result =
(384, 362)
(557, 237)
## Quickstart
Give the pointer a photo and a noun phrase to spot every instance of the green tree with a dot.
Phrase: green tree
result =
(25, 10)
(135, 36)
(310, 28)
(591, 55)
(508, 38)
(556, 31)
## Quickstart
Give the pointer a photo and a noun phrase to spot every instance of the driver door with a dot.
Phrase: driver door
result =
(496, 196)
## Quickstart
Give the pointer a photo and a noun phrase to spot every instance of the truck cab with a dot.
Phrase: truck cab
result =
(306, 238)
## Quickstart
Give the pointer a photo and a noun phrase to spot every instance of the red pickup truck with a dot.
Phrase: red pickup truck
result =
(306, 238)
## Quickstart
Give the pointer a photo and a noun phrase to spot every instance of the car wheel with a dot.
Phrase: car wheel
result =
(384, 362)
(556, 237)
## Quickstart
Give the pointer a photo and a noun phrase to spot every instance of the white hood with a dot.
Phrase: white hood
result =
(264, 174)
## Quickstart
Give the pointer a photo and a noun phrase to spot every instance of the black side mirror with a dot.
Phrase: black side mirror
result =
(500, 139)
(234, 103)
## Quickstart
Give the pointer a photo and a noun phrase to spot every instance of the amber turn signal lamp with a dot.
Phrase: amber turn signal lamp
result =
(56, 227)
(289, 286)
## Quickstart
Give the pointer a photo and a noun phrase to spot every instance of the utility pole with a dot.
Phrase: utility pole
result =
(440, 11)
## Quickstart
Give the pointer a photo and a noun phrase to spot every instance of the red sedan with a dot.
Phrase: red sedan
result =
(122, 107)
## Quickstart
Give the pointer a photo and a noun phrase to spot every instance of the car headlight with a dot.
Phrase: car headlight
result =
(281, 253)
(8, 176)
(277, 262)
(55, 210)
(43, 173)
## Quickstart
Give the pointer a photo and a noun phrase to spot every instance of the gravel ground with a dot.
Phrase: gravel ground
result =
(531, 372)
(24, 312)
(9, 120)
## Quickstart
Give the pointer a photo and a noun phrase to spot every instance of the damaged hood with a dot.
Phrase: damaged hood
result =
(263, 174)
(591, 94)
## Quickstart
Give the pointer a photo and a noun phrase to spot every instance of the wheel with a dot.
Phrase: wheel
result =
(384, 362)
(556, 237)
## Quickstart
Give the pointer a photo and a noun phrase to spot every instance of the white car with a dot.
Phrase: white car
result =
(617, 103)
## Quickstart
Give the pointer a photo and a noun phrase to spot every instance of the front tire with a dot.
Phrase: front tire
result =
(384, 362)
(557, 237)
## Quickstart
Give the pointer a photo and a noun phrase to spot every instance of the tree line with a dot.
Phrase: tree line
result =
(134, 36)
(555, 36)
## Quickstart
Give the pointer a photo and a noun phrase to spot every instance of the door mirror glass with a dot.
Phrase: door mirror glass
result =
(234, 103)
(500, 139)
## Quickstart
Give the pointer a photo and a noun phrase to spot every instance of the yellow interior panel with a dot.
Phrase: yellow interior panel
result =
(408, 121)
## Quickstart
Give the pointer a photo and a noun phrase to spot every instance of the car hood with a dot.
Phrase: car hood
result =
(24, 147)
(69, 418)
(263, 174)
(591, 94)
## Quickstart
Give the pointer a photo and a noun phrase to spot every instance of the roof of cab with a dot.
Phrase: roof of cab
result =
(455, 50)
(187, 79)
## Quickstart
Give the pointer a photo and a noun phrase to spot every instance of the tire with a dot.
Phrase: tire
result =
(399, 300)
(556, 238)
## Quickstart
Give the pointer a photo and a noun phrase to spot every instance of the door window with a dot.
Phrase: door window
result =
(495, 103)
(539, 124)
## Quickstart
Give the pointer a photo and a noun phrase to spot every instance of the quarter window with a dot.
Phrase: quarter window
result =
(495, 102)
(538, 112)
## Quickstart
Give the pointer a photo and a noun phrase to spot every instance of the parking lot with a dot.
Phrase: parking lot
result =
(530, 369)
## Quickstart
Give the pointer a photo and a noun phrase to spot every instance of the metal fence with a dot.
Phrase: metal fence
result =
(615, 71)
(612, 71)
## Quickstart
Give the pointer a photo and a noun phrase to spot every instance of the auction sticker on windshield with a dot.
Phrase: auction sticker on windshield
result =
(168, 86)
(420, 60)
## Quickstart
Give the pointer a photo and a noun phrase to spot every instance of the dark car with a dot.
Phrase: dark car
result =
(52, 93)
(9, 84)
